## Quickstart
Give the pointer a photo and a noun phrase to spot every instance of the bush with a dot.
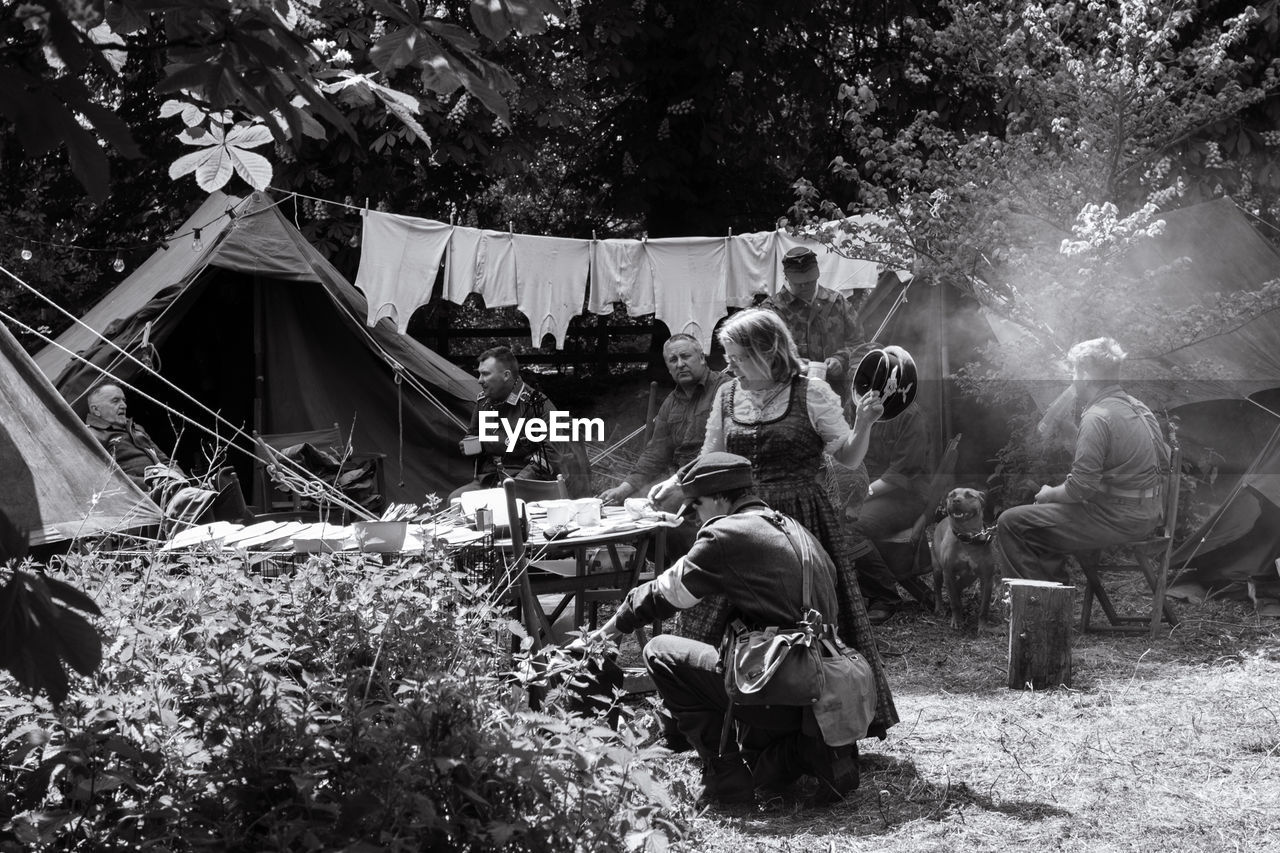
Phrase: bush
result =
(346, 706)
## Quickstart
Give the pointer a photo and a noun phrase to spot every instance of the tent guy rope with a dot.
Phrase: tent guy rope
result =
(334, 494)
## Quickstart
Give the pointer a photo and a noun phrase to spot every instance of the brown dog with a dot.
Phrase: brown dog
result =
(961, 553)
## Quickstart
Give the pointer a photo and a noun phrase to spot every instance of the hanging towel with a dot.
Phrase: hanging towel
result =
(752, 260)
(551, 277)
(496, 270)
(689, 283)
(841, 274)
(399, 259)
(620, 272)
(460, 265)
(481, 261)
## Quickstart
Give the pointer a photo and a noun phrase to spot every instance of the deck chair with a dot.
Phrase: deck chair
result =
(913, 538)
(1150, 559)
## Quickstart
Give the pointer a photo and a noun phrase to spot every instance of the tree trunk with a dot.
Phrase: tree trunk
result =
(1039, 634)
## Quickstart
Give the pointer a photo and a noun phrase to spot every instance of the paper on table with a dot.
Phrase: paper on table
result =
(460, 535)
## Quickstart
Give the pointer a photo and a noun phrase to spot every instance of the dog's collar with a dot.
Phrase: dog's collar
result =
(980, 537)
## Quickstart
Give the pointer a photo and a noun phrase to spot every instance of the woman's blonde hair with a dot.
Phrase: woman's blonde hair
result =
(766, 340)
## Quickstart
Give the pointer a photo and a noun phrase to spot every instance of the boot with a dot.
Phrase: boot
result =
(672, 738)
(777, 766)
(726, 781)
(835, 767)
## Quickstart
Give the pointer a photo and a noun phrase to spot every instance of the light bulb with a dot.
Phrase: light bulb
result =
(118, 264)
(26, 254)
(197, 245)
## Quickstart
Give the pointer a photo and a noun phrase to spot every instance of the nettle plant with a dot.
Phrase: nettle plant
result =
(349, 705)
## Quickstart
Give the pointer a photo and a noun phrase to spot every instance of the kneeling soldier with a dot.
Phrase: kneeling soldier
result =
(745, 556)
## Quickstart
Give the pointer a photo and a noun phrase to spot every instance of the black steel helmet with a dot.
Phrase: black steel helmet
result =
(875, 371)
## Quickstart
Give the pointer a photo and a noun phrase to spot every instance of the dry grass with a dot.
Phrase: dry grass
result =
(1162, 747)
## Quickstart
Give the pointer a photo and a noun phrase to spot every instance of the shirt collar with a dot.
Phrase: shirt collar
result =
(1112, 390)
(102, 423)
(822, 294)
(516, 391)
(701, 385)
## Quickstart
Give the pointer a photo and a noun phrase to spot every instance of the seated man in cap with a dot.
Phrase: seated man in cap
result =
(1112, 494)
(824, 325)
(752, 560)
(142, 461)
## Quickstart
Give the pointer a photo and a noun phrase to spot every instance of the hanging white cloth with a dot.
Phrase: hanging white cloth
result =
(689, 284)
(752, 260)
(551, 278)
(399, 259)
(483, 262)
(620, 272)
(460, 264)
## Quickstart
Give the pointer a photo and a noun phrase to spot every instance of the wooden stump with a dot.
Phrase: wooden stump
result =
(1039, 633)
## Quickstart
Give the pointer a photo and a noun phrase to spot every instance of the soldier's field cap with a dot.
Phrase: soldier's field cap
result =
(800, 259)
(712, 473)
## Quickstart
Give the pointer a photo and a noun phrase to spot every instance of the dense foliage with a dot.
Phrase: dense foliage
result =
(347, 706)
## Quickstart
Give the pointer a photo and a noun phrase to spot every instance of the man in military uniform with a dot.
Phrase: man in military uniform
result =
(750, 563)
(503, 392)
(825, 326)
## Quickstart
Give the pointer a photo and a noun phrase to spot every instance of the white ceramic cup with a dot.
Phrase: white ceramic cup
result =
(588, 512)
(817, 370)
(559, 512)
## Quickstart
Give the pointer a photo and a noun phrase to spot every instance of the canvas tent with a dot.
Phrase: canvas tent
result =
(259, 327)
(56, 480)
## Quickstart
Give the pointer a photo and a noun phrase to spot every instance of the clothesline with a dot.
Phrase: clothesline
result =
(688, 283)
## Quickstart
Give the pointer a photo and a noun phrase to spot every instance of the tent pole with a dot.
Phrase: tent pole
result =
(944, 362)
(259, 383)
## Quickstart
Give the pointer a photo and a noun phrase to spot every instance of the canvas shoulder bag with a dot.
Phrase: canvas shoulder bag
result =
(777, 665)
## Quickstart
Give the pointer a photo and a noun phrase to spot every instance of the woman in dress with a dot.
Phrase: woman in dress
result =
(773, 415)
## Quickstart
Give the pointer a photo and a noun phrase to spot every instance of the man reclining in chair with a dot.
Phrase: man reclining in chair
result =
(1112, 495)
(142, 461)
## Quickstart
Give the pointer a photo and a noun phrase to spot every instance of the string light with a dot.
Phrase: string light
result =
(118, 263)
(26, 254)
(197, 245)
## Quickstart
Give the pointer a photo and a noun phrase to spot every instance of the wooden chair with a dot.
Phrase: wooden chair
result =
(531, 613)
(1150, 559)
(555, 582)
(651, 413)
(913, 538)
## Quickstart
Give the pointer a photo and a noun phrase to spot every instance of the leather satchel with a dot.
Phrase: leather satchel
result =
(774, 666)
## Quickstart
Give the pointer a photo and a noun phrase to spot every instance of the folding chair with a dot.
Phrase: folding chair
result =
(270, 447)
(913, 538)
(1151, 559)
